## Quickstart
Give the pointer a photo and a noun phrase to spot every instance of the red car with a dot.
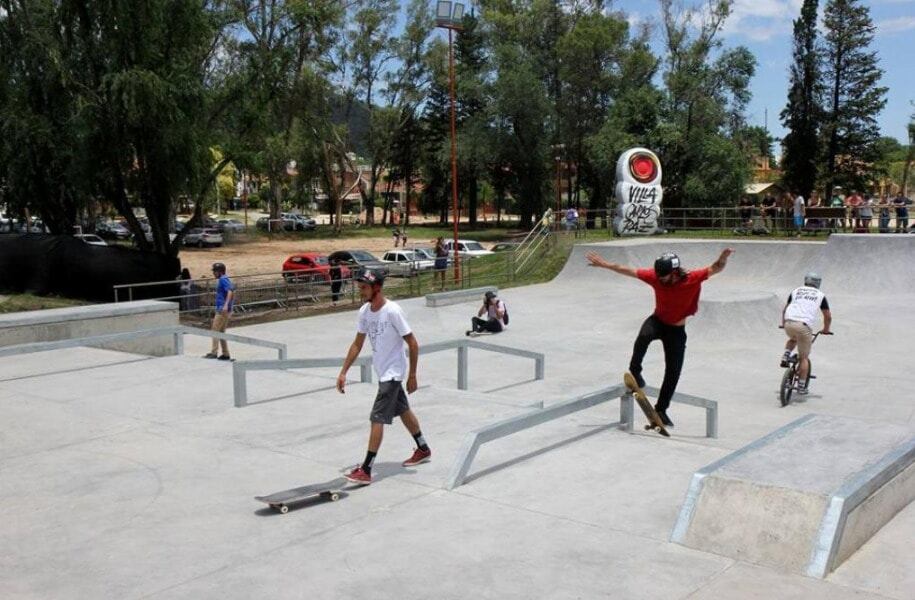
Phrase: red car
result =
(310, 266)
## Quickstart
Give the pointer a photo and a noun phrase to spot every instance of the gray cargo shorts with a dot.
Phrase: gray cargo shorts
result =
(390, 402)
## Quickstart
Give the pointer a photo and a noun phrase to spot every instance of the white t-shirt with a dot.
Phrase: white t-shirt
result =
(385, 330)
(805, 304)
(799, 206)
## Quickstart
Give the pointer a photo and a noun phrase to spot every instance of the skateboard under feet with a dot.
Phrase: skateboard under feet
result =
(654, 421)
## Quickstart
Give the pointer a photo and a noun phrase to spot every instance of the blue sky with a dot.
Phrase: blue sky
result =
(764, 26)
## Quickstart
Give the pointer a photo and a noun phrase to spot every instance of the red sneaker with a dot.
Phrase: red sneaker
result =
(358, 476)
(419, 457)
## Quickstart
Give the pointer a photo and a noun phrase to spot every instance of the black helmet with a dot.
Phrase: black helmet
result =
(490, 296)
(371, 277)
(666, 264)
(219, 267)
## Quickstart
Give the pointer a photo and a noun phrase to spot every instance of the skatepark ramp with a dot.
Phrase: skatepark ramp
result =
(803, 498)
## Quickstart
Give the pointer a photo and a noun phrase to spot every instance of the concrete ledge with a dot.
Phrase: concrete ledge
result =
(803, 498)
(458, 296)
(96, 319)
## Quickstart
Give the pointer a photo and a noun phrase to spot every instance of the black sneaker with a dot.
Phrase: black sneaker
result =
(225, 357)
(467, 333)
(662, 414)
(639, 381)
(210, 355)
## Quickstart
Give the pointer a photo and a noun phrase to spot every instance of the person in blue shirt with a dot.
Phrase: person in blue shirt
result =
(225, 297)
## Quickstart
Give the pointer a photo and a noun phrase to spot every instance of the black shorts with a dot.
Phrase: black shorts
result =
(390, 402)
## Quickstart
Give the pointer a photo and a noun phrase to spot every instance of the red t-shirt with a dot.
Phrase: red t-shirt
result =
(673, 303)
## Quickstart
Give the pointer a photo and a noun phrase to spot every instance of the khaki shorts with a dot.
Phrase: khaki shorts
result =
(800, 333)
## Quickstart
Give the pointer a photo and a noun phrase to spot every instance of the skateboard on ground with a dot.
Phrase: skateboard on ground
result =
(654, 421)
(280, 501)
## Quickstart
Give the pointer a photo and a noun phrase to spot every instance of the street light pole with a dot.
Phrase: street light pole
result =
(454, 181)
(449, 15)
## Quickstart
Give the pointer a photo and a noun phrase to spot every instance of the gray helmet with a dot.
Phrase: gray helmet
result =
(219, 268)
(813, 280)
(666, 264)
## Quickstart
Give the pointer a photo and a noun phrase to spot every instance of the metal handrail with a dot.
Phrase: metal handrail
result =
(241, 368)
(176, 331)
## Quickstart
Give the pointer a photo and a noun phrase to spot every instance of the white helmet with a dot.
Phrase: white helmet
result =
(813, 280)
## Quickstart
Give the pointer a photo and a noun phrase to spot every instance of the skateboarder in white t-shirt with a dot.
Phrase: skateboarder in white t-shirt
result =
(390, 335)
(798, 318)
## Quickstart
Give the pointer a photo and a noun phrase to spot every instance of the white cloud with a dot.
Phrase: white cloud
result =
(896, 25)
(761, 20)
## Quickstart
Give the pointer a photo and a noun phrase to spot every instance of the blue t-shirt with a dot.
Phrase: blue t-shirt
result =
(222, 290)
(902, 206)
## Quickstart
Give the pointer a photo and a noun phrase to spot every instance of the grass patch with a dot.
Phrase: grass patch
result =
(24, 302)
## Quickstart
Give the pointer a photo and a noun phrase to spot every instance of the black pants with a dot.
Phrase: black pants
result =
(335, 289)
(674, 340)
(490, 325)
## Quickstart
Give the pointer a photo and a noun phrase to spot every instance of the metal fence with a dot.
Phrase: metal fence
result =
(746, 220)
(293, 290)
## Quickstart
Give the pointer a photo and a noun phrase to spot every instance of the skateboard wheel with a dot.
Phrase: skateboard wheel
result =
(284, 509)
(334, 497)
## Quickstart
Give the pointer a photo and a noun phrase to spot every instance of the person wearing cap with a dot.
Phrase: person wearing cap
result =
(225, 298)
(384, 323)
(798, 319)
(676, 293)
(494, 309)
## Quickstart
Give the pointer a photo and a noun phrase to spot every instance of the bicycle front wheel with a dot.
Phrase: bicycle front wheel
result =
(784, 393)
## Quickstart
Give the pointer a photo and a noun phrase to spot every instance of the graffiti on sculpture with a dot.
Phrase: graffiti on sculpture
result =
(638, 192)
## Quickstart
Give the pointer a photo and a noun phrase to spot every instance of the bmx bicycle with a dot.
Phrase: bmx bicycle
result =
(790, 378)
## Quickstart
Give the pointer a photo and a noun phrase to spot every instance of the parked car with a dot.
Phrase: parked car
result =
(505, 247)
(403, 263)
(149, 236)
(468, 248)
(300, 222)
(288, 224)
(112, 231)
(8, 224)
(359, 259)
(203, 237)
(310, 266)
(92, 240)
(230, 225)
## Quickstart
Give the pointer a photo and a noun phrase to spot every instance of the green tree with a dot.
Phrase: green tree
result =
(802, 114)
(854, 96)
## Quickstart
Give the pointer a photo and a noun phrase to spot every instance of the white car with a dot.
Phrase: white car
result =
(92, 240)
(202, 237)
(406, 261)
(467, 248)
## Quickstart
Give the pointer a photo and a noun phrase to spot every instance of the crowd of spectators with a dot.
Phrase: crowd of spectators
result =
(854, 212)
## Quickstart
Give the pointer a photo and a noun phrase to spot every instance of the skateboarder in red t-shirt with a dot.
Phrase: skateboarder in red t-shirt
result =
(676, 293)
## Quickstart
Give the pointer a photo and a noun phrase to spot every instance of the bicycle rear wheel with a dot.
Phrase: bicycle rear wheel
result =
(784, 392)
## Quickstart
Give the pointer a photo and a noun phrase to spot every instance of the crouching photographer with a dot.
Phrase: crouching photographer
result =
(496, 316)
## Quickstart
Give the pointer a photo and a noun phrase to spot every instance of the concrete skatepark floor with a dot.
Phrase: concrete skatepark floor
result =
(124, 476)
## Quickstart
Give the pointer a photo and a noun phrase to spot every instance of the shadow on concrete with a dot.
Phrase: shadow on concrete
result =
(550, 448)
